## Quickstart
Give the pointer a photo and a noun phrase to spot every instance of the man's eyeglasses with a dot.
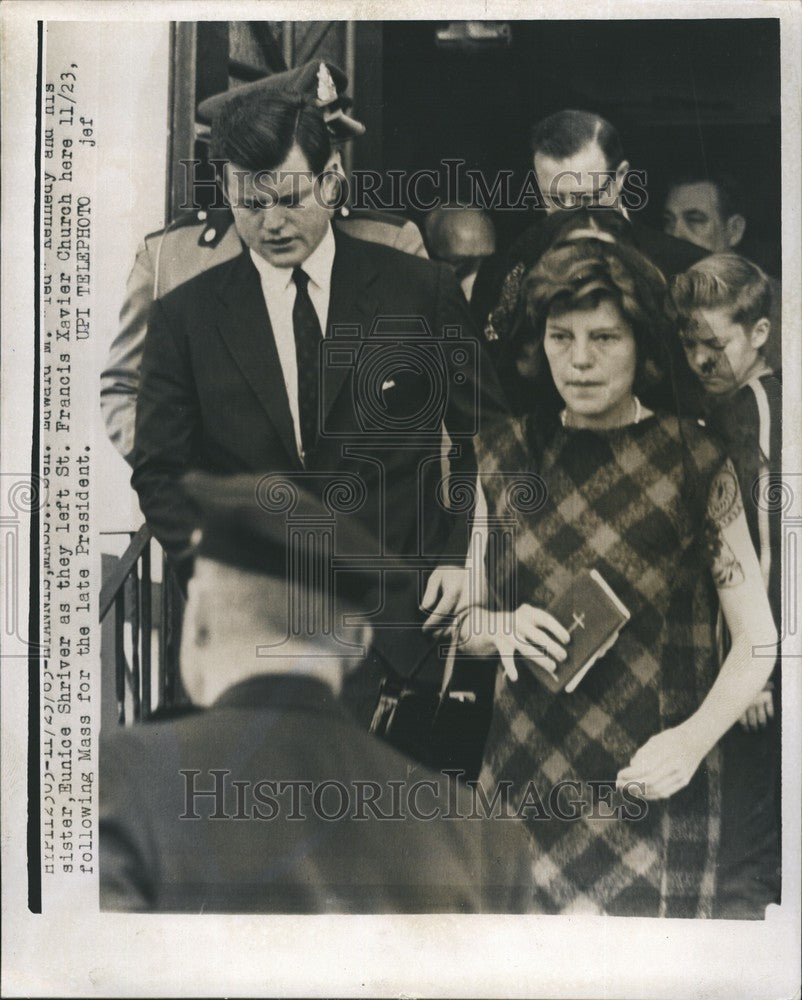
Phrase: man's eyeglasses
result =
(581, 199)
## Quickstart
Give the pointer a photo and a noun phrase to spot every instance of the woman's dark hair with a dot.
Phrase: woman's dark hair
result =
(580, 273)
(258, 134)
(596, 221)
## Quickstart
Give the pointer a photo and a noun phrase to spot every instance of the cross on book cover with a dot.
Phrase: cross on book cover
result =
(594, 615)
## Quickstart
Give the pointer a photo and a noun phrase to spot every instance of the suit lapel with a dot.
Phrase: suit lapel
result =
(352, 305)
(245, 326)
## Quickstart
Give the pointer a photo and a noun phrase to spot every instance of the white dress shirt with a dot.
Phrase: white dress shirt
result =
(279, 291)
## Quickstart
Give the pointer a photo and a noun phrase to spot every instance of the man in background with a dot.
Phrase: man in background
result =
(578, 161)
(269, 798)
(712, 211)
(462, 237)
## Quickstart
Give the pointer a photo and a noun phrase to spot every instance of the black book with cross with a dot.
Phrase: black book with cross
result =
(594, 615)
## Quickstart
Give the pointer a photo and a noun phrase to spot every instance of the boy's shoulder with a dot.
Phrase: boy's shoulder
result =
(755, 394)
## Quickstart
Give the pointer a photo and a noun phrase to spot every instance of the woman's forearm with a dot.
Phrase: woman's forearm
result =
(747, 613)
(742, 676)
(476, 631)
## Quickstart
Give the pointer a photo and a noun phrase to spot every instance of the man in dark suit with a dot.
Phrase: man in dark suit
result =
(269, 798)
(313, 352)
(578, 161)
(199, 240)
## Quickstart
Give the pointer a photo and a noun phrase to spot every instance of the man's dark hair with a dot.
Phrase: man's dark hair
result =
(728, 190)
(258, 134)
(563, 134)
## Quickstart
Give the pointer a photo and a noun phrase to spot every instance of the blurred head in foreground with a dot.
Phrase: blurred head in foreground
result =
(266, 596)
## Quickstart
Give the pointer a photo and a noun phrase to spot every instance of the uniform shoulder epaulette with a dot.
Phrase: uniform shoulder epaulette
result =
(212, 225)
(179, 222)
(216, 223)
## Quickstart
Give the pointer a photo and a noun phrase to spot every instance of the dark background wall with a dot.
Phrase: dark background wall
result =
(702, 93)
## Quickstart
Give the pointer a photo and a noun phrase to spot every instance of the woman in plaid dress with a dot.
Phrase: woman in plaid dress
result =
(617, 782)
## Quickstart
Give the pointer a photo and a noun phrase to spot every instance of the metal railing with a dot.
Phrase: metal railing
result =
(129, 592)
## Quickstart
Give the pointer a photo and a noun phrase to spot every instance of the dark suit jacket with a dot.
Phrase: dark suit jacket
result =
(252, 856)
(213, 397)
(166, 259)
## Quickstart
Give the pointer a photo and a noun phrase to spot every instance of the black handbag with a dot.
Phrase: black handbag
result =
(441, 729)
(405, 715)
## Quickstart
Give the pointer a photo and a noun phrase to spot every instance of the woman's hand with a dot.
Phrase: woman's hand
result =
(533, 633)
(757, 716)
(445, 598)
(664, 764)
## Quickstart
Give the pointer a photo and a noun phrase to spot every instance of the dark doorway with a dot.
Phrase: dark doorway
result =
(684, 94)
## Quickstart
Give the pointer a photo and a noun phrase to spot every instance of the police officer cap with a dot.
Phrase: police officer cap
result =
(322, 83)
(273, 524)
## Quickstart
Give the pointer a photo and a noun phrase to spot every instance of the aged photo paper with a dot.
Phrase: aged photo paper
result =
(102, 146)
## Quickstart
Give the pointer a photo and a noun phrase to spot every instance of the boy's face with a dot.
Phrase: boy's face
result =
(723, 354)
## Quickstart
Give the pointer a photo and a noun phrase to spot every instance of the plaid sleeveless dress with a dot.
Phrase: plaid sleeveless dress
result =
(614, 501)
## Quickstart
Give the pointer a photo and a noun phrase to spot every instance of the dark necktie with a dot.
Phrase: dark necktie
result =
(306, 328)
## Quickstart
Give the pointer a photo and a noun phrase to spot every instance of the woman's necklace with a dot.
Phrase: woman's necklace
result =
(636, 417)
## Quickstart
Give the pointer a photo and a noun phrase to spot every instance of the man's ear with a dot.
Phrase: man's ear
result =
(194, 639)
(760, 333)
(222, 188)
(621, 172)
(229, 180)
(335, 162)
(735, 228)
(331, 181)
(221, 181)
(365, 637)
